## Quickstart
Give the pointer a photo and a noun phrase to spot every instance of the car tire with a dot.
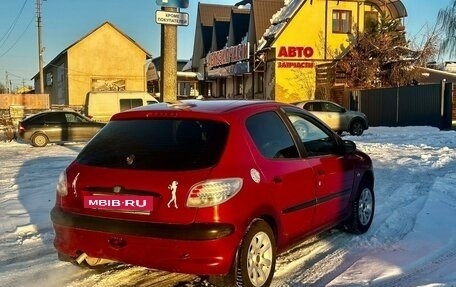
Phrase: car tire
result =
(257, 256)
(356, 128)
(39, 140)
(255, 259)
(363, 208)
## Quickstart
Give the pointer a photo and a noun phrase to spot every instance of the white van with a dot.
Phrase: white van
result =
(100, 106)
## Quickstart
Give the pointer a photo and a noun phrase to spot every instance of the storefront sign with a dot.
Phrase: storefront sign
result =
(296, 65)
(295, 52)
(221, 72)
(292, 56)
(237, 69)
(228, 55)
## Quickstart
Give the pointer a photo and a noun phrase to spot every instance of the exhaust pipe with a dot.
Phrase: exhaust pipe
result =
(92, 261)
(81, 258)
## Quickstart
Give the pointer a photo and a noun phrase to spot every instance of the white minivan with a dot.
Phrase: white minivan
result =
(100, 106)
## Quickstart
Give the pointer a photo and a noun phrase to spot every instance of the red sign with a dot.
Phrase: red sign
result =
(295, 52)
(296, 65)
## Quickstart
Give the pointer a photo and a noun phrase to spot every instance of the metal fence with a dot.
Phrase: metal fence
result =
(421, 105)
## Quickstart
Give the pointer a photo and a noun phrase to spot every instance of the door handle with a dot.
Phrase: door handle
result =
(277, 179)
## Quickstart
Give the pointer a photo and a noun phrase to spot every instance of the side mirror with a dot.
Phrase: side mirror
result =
(348, 146)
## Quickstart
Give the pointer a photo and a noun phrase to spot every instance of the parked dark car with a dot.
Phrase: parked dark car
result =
(57, 127)
(206, 187)
(337, 117)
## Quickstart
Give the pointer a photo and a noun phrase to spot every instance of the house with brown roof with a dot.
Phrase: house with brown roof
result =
(206, 14)
(286, 44)
(105, 59)
(235, 45)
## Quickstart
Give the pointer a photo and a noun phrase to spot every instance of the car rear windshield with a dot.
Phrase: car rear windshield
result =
(156, 144)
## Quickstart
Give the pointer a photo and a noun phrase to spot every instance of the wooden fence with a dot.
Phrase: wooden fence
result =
(28, 101)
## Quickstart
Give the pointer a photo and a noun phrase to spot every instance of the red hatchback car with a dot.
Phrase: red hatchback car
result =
(214, 188)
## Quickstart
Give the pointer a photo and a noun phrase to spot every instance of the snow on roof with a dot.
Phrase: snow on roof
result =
(279, 21)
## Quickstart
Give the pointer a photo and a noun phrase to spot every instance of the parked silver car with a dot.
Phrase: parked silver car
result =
(336, 116)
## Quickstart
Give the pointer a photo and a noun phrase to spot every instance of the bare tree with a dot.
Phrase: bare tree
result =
(381, 57)
(447, 21)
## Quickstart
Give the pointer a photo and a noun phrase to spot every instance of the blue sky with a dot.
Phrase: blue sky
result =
(66, 21)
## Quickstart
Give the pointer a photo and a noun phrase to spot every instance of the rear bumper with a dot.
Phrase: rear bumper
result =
(203, 249)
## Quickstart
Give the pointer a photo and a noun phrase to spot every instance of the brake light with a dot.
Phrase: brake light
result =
(213, 192)
(62, 187)
(21, 127)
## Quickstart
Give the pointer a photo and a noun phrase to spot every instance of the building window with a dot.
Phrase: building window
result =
(341, 21)
(239, 87)
(221, 88)
(259, 83)
(187, 89)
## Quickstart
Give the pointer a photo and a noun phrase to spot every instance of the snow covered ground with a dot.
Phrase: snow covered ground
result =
(412, 241)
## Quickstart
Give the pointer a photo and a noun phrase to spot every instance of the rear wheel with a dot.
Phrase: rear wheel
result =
(356, 128)
(255, 262)
(39, 140)
(257, 256)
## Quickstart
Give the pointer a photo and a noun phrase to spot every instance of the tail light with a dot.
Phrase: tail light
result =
(62, 187)
(21, 128)
(213, 192)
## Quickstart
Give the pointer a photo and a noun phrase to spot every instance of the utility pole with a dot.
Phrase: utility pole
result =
(168, 89)
(6, 83)
(40, 45)
(170, 18)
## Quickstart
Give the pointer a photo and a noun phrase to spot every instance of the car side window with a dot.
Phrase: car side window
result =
(329, 107)
(316, 140)
(38, 120)
(73, 118)
(54, 118)
(271, 136)
(313, 106)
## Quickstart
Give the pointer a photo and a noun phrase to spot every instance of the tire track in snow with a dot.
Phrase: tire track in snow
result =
(304, 262)
(444, 258)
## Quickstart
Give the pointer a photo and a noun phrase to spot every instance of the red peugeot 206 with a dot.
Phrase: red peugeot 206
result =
(214, 188)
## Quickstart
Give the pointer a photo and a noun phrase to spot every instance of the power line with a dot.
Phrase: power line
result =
(17, 40)
(11, 28)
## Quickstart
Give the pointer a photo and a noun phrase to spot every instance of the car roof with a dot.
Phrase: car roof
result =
(210, 106)
(314, 101)
(55, 111)
(29, 117)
